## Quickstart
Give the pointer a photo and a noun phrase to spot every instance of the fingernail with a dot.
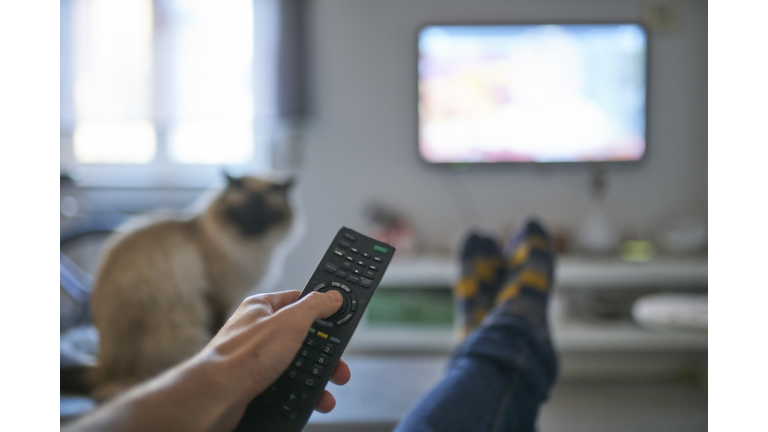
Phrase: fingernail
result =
(336, 296)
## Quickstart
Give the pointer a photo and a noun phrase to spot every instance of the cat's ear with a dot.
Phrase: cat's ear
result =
(289, 183)
(284, 186)
(233, 182)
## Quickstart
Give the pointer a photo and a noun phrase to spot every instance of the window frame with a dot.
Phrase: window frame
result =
(275, 137)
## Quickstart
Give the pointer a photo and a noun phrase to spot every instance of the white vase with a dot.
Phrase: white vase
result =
(597, 234)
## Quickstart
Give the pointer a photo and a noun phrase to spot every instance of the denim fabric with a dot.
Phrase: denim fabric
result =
(495, 381)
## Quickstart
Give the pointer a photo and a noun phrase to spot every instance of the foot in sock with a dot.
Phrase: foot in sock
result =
(529, 260)
(482, 270)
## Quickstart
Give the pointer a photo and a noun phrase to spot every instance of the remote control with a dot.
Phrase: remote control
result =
(353, 265)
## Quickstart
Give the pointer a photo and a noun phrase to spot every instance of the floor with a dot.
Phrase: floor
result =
(626, 407)
(383, 389)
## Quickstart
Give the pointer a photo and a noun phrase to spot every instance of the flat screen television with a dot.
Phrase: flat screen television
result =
(532, 93)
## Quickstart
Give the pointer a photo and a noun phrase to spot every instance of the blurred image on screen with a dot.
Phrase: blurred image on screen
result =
(532, 93)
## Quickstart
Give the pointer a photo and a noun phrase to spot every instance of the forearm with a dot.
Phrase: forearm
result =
(189, 397)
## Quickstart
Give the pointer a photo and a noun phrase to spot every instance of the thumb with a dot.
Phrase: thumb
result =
(315, 305)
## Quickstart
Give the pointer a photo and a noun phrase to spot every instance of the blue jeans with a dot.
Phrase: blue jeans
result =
(495, 381)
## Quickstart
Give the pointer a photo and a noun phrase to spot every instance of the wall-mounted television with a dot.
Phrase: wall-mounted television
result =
(532, 93)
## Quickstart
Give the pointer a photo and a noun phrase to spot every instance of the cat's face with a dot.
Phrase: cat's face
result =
(255, 206)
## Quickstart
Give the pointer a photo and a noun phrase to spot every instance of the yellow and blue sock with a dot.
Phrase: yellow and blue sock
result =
(482, 271)
(529, 261)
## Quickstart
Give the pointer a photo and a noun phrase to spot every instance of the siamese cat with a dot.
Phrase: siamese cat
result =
(163, 290)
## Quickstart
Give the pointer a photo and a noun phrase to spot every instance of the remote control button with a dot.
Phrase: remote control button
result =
(374, 268)
(330, 268)
(349, 258)
(369, 274)
(343, 244)
(346, 318)
(292, 399)
(312, 341)
(329, 349)
(345, 292)
(300, 363)
(293, 374)
(337, 340)
(322, 335)
(353, 278)
(357, 271)
(354, 250)
(311, 330)
(306, 352)
(319, 286)
(338, 252)
(324, 323)
(316, 370)
(342, 286)
(346, 264)
(352, 304)
(365, 283)
(310, 382)
(377, 259)
(349, 237)
(361, 264)
(284, 410)
(366, 255)
(381, 249)
(341, 273)
(322, 359)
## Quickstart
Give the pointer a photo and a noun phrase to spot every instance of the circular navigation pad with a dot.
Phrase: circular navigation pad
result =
(347, 309)
(344, 306)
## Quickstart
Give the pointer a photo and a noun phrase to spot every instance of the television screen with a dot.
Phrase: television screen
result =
(532, 93)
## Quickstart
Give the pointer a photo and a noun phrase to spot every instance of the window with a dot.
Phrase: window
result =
(152, 86)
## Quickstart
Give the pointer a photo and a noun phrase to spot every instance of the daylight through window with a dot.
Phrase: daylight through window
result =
(169, 81)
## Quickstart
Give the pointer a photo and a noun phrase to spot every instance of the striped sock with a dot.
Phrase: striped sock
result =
(482, 269)
(530, 259)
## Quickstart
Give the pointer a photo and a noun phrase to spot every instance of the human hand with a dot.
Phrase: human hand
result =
(265, 333)
(256, 345)
(210, 391)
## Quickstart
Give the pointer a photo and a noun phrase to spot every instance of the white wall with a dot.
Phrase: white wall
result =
(361, 145)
